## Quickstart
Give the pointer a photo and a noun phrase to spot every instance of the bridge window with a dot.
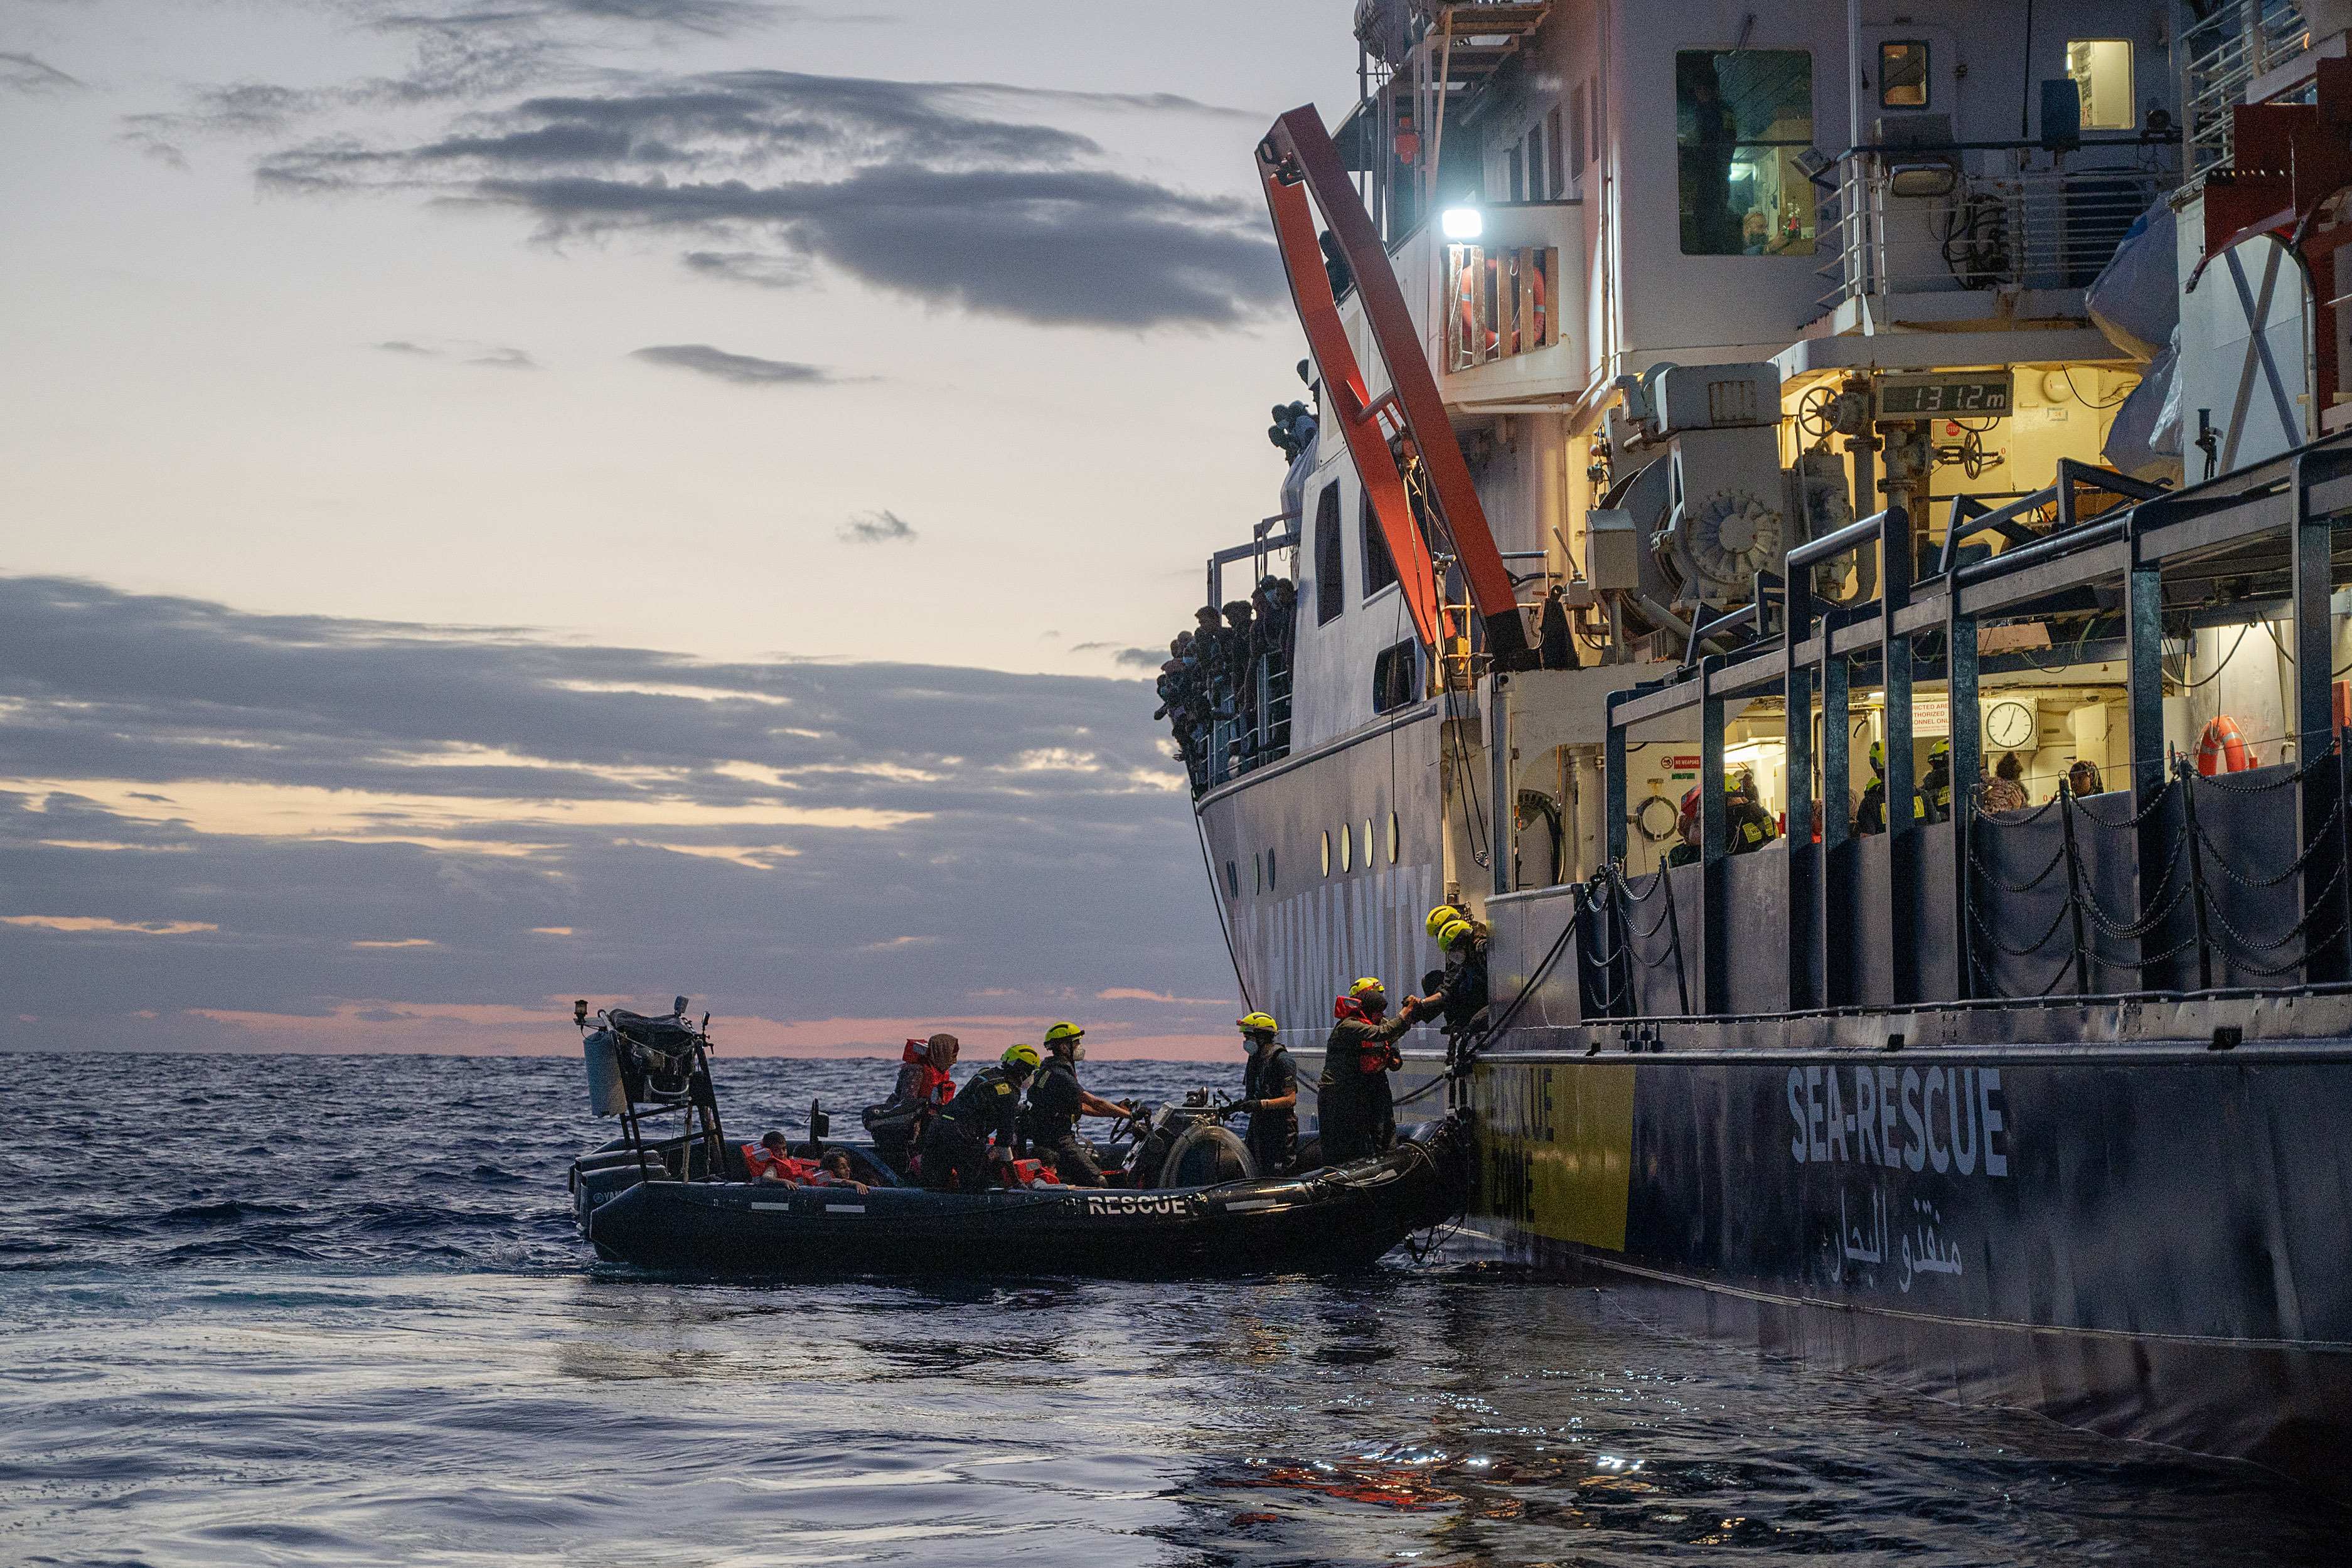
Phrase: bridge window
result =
(1379, 567)
(1394, 673)
(1742, 118)
(1330, 585)
(1903, 73)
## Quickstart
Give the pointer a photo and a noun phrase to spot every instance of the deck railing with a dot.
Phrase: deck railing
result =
(2008, 216)
(2227, 54)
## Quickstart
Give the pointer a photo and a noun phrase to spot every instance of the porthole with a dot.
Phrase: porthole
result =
(1232, 880)
(1269, 871)
(1369, 861)
(1327, 852)
(1258, 874)
(1393, 838)
(1346, 848)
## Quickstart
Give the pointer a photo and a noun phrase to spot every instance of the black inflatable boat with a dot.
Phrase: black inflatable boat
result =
(1343, 1216)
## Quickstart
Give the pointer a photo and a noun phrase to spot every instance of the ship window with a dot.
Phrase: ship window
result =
(1742, 118)
(1561, 167)
(1269, 871)
(1583, 138)
(2100, 70)
(1330, 585)
(1903, 73)
(1258, 874)
(1515, 179)
(1232, 880)
(1368, 844)
(1380, 566)
(1535, 191)
(1393, 676)
(1346, 848)
(1327, 852)
(1393, 838)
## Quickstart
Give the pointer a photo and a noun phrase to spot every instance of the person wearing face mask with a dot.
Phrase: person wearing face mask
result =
(1058, 1099)
(1270, 1082)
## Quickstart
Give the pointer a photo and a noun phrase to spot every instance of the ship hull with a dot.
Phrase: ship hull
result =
(2148, 1242)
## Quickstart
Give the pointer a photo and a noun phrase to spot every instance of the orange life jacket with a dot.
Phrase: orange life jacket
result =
(939, 1088)
(1032, 1172)
(761, 1163)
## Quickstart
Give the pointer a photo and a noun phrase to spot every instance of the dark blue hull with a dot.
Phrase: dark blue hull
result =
(2149, 1239)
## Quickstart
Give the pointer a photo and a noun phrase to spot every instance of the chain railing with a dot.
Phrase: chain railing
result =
(2187, 882)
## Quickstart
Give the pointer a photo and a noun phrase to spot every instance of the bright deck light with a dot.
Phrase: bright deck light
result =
(1463, 223)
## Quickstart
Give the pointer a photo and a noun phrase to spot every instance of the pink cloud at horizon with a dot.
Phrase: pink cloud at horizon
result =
(480, 1028)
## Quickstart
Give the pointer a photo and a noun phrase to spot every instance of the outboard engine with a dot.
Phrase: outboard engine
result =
(1188, 1146)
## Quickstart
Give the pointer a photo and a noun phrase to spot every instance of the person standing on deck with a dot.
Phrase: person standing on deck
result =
(1270, 1085)
(896, 1124)
(1355, 1106)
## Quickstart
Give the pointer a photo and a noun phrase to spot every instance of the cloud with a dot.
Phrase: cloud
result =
(400, 942)
(27, 73)
(743, 369)
(920, 189)
(875, 529)
(1142, 658)
(78, 923)
(760, 269)
(560, 820)
(488, 356)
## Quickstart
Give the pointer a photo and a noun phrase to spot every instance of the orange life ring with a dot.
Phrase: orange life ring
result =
(2223, 749)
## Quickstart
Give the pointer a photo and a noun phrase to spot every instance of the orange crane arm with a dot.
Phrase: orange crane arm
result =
(1295, 161)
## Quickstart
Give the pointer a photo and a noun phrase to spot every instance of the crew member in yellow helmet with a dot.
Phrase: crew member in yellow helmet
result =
(1056, 1101)
(1355, 1108)
(1270, 1087)
(957, 1153)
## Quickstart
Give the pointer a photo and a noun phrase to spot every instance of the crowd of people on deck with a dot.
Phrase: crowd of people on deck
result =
(1017, 1123)
(1212, 676)
(1749, 827)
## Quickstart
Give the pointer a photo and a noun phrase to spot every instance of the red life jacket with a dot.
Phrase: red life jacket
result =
(938, 1087)
(1387, 1058)
(1032, 1172)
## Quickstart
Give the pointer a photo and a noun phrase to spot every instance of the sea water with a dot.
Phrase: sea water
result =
(332, 1310)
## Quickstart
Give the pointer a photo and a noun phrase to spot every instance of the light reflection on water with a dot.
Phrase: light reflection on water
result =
(294, 1372)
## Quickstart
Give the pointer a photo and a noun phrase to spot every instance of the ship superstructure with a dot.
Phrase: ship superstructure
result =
(1915, 431)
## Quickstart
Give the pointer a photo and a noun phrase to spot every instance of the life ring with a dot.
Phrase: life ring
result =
(2223, 749)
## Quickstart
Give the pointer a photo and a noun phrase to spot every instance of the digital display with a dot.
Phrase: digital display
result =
(1969, 396)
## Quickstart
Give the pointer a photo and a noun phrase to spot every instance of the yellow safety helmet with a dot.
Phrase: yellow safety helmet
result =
(1367, 987)
(1441, 917)
(1022, 1057)
(1061, 1033)
(1455, 933)
(1941, 749)
(1257, 1023)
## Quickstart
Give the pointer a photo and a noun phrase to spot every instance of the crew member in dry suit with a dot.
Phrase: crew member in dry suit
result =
(1270, 1087)
(1056, 1101)
(957, 1152)
(1461, 993)
(1355, 1107)
(896, 1124)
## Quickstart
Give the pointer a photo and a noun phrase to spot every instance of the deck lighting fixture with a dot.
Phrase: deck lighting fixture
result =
(1462, 223)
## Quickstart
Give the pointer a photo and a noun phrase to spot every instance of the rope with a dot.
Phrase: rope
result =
(1202, 833)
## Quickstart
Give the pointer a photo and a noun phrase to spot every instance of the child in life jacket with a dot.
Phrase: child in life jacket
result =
(772, 1159)
(1039, 1171)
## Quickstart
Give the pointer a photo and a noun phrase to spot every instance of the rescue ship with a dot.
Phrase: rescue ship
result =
(1790, 400)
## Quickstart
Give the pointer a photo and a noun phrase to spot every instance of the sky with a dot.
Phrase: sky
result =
(620, 497)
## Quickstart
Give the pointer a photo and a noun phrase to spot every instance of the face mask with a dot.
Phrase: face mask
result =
(1077, 1053)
